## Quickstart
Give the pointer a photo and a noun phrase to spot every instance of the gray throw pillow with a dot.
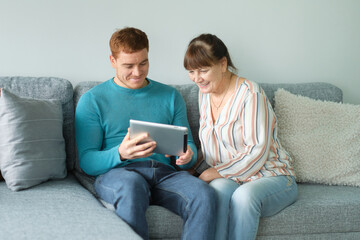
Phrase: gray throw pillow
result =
(32, 147)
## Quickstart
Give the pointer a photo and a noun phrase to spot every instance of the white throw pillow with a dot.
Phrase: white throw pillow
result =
(322, 137)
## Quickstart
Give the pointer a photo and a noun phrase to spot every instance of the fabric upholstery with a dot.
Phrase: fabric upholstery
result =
(315, 90)
(163, 223)
(32, 148)
(48, 88)
(322, 137)
(57, 210)
(318, 209)
(318, 236)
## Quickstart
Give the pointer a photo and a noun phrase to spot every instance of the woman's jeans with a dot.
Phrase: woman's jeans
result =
(240, 206)
(131, 189)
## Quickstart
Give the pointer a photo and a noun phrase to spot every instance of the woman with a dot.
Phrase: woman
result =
(249, 170)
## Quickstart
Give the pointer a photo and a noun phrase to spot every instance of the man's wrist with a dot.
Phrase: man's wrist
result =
(122, 158)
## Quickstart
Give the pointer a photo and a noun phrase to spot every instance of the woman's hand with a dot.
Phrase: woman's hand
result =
(209, 174)
(129, 148)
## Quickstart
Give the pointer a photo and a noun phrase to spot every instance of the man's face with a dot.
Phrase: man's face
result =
(131, 69)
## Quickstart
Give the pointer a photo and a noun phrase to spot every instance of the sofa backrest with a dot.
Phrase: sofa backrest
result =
(62, 90)
(315, 90)
(49, 88)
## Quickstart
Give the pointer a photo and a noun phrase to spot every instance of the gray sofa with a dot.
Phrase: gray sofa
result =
(69, 209)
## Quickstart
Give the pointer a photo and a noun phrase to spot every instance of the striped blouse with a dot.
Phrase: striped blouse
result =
(242, 144)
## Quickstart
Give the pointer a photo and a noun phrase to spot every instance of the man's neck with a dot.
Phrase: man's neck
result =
(124, 85)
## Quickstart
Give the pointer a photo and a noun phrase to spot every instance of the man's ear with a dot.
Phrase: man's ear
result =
(112, 61)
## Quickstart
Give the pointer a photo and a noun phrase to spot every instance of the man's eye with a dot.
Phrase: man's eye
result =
(204, 70)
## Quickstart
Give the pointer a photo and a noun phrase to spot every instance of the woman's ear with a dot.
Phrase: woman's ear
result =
(224, 64)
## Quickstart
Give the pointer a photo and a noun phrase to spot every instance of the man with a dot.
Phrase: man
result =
(129, 175)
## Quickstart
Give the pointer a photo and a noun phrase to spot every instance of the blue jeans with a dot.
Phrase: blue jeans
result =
(240, 207)
(131, 189)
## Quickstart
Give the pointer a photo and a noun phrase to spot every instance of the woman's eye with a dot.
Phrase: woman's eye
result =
(204, 70)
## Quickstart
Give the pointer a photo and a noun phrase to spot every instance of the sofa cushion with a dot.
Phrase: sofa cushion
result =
(322, 137)
(49, 88)
(319, 209)
(32, 148)
(163, 224)
(57, 210)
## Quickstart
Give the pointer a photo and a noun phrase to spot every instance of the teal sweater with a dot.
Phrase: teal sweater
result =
(102, 120)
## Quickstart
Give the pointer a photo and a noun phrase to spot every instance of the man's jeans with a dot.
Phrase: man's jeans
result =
(131, 189)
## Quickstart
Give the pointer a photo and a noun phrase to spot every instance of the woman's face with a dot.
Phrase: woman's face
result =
(208, 79)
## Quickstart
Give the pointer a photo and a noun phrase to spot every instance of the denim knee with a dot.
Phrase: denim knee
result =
(245, 198)
(205, 194)
(224, 187)
(132, 185)
(204, 201)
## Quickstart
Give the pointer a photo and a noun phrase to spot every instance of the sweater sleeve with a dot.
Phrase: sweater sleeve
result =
(258, 122)
(180, 119)
(89, 139)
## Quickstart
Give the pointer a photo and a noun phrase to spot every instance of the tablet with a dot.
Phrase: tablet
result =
(169, 139)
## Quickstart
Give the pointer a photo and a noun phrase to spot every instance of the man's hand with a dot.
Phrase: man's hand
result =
(129, 149)
(209, 174)
(186, 157)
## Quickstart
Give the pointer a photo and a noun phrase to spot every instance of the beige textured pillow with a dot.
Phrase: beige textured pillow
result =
(322, 137)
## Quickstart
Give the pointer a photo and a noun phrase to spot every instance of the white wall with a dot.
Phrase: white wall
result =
(269, 40)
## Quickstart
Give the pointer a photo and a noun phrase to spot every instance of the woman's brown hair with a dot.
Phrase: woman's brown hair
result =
(206, 50)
